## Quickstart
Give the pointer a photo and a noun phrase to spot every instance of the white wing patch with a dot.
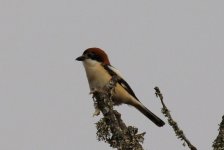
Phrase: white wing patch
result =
(119, 74)
(116, 71)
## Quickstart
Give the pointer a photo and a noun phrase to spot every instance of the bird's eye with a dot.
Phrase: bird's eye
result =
(90, 55)
(94, 56)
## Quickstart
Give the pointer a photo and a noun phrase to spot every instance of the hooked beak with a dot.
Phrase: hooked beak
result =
(81, 58)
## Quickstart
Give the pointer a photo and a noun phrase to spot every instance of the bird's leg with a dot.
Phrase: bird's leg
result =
(94, 90)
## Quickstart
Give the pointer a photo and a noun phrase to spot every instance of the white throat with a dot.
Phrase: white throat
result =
(90, 63)
(95, 74)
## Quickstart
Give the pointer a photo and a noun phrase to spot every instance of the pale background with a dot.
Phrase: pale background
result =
(177, 45)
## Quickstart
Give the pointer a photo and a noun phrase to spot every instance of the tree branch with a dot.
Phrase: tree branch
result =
(218, 144)
(179, 133)
(111, 127)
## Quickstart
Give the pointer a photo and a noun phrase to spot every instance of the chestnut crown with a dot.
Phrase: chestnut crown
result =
(96, 54)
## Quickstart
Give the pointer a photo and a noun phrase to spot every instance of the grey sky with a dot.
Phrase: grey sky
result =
(176, 45)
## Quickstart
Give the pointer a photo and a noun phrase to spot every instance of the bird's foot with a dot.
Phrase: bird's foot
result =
(94, 90)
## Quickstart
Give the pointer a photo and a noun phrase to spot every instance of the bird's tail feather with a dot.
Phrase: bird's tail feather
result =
(150, 115)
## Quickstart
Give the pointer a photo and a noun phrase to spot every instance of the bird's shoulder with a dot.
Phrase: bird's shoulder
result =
(113, 71)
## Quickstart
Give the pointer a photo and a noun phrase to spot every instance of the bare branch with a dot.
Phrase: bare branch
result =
(179, 133)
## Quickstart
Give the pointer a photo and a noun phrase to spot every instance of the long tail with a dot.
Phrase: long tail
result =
(150, 115)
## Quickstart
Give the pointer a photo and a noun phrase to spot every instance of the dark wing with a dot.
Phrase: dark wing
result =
(113, 71)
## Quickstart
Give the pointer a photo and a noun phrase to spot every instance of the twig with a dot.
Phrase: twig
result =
(218, 144)
(179, 133)
(111, 128)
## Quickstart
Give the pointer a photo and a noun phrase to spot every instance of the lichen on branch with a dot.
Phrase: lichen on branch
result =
(111, 128)
(218, 144)
(179, 133)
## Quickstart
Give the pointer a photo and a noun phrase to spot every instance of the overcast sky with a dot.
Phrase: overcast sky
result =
(176, 45)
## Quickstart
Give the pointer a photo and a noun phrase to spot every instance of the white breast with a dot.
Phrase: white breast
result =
(97, 76)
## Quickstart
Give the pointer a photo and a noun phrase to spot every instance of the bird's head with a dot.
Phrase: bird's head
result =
(92, 55)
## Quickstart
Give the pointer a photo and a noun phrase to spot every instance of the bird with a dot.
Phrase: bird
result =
(99, 72)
